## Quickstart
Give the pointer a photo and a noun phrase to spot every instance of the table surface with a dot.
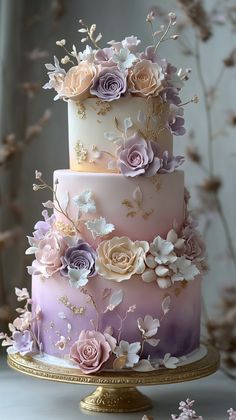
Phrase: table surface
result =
(26, 398)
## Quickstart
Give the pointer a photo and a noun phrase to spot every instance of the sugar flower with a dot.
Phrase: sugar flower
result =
(22, 343)
(183, 269)
(119, 258)
(129, 351)
(124, 59)
(176, 120)
(85, 202)
(138, 157)
(148, 326)
(104, 57)
(56, 77)
(145, 79)
(99, 227)
(170, 163)
(131, 42)
(92, 350)
(78, 81)
(194, 245)
(87, 54)
(162, 250)
(48, 254)
(41, 229)
(80, 256)
(21, 294)
(109, 84)
(232, 414)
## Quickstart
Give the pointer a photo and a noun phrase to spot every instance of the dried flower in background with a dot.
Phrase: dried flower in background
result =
(199, 18)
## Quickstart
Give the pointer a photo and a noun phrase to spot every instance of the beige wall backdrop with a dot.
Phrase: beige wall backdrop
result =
(30, 31)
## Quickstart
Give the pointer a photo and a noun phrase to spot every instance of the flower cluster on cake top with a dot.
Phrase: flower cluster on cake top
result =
(121, 69)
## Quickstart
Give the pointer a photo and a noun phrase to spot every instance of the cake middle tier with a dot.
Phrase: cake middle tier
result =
(140, 208)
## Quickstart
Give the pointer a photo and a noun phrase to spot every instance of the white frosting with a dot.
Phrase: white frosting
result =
(87, 125)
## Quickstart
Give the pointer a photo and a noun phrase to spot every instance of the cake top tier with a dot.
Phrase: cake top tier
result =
(120, 97)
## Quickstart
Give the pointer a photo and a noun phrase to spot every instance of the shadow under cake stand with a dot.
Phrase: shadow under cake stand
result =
(116, 392)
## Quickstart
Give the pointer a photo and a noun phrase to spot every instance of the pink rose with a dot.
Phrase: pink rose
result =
(49, 252)
(78, 81)
(145, 78)
(194, 246)
(92, 350)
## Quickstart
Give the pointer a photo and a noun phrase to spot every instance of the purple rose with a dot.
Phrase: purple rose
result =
(79, 256)
(22, 343)
(139, 157)
(170, 163)
(109, 84)
(194, 246)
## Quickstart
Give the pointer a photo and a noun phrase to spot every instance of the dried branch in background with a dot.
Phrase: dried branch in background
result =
(197, 15)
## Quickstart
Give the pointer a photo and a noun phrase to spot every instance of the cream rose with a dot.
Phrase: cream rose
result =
(78, 80)
(145, 78)
(120, 258)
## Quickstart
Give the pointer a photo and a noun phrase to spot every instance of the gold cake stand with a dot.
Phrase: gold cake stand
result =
(116, 392)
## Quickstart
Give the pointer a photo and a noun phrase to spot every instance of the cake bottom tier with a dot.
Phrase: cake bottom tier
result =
(67, 311)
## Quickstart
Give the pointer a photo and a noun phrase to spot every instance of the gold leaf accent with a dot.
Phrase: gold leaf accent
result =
(104, 107)
(177, 291)
(131, 213)
(127, 203)
(77, 310)
(119, 363)
(81, 110)
(146, 214)
(65, 228)
(81, 152)
(156, 181)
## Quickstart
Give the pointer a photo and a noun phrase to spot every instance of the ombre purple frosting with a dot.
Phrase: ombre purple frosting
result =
(139, 157)
(80, 256)
(109, 84)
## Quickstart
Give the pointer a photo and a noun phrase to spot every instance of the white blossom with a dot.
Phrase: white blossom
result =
(129, 351)
(148, 326)
(183, 269)
(163, 251)
(99, 227)
(124, 58)
(78, 277)
(85, 202)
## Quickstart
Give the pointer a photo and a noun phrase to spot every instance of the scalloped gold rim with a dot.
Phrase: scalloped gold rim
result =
(195, 370)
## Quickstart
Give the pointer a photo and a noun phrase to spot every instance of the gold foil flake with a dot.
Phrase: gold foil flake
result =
(81, 110)
(103, 107)
(135, 205)
(65, 228)
(77, 310)
(156, 181)
(81, 152)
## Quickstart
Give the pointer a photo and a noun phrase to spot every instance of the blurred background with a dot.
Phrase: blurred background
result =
(33, 130)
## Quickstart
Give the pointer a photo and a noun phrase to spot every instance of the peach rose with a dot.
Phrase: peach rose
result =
(78, 80)
(92, 350)
(145, 78)
(49, 252)
(120, 258)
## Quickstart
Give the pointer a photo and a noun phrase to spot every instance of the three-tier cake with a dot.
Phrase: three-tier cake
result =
(116, 280)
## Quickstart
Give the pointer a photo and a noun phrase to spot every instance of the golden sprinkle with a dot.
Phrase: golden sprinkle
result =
(77, 310)
(81, 110)
(81, 152)
(104, 107)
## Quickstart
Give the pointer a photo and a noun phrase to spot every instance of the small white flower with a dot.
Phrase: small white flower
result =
(61, 343)
(85, 202)
(99, 227)
(183, 269)
(169, 361)
(22, 294)
(78, 277)
(173, 238)
(124, 58)
(163, 251)
(148, 326)
(87, 54)
(129, 351)
(35, 187)
(38, 174)
(65, 59)
(61, 43)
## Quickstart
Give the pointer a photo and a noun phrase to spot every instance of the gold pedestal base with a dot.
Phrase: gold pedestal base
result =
(116, 400)
(117, 392)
